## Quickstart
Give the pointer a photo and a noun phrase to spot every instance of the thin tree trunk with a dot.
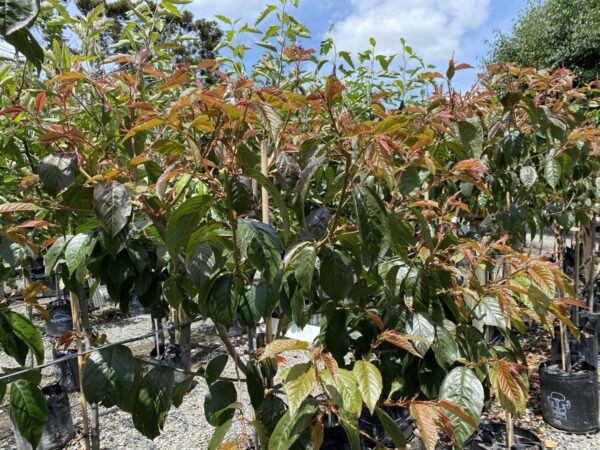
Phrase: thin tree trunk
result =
(576, 276)
(592, 266)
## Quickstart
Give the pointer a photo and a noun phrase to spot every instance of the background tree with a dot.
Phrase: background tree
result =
(554, 33)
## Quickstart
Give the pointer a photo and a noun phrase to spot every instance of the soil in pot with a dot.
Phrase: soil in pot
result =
(569, 400)
(371, 425)
(492, 436)
(61, 319)
(59, 429)
(66, 372)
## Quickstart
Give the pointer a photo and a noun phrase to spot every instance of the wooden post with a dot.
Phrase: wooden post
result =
(576, 276)
(592, 267)
(264, 168)
(75, 312)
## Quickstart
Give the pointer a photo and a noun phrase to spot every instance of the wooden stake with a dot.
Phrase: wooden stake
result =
(264, 168)
(576, 276)
(75, 312)
(591, 275)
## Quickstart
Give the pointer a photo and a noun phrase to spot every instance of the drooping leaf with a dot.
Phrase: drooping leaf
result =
(373, 224)
(153, 401)
(78, 249)
(302, 187)
(282, 345)
(254, 382)
(369, 382)
(462, 387)
(57, 172)
(113, 206)
(336, 273)
(488, 310)
(471, 137)
(108, 376)
(528, 176)
(25, 43)
(223, 300)
(299, 383)
(29, 410)
(17, 14)
(424, 415)
(215, 368)
(290, 426)
(184, 220)
(260, 243)
(391, 428)
(221, 394)
(420, 325)
(343, 390)
(552, 172)
(218, 435)
(27, 333)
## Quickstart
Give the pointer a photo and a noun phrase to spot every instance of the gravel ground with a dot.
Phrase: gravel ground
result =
(186, 428)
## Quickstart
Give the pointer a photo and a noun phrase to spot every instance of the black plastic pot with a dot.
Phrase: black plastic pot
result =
(66, 372)
(61, 319)
(586, 347)
(569, 400)
(59, 429)
(371, 425)
(492, 436)
(590, 321)
(171, 357)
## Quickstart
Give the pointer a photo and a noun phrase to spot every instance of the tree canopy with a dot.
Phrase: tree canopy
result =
(554, 33)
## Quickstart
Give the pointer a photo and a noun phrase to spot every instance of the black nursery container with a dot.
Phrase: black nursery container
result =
(335, 438)
(59, 429)
(61, 319)
(591, 321)
(66, 372)
(569, 400)
(492, 436)
(586, 347)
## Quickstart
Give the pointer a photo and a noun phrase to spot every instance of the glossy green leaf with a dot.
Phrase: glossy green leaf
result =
(552, 172)
(336, 273)
(113, 207)
(289, 427)
(78, 249)
(391, 428)
(153, 401)
(420, 325)
(29, 410)
(299, 383)
(184, 220)
(528, 176)
(369, 381)
(27, 333)
(260, 243)
(215, 368)
(373, 224)
(223, 300)
(57, 172)
(17, 14)
(218, 435)
(219, 397)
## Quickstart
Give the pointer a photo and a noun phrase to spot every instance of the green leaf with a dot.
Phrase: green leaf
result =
(24, 42)
(29, 409)
(201, 264)
(108, 376)
(78, 249)
(153, 401)
(420, 325)
(471, 137)
(12, 345)
(299, 382)
(184, 220)
(254, 382)
(113, 207)
(219, 397)
(219, 435)
(410, 183)
(552, 172)
(343, 391)
(373, 225)
(488, 310)
(369, 382)
(336, 273)
(445, 347)
(260, 243)
(240, 194)
(350, 425)
(180, 389)
(528, 176)
(54, 253)
(27, 333)
(302, 186)
(57, 172)
(273, 192)
(215, 368)
(461, 386)
(2, 391)
(17, 14)
(290, 427)
(223, 300)
(391, 428)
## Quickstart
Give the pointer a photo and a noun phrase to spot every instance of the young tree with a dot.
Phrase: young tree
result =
(554, 33)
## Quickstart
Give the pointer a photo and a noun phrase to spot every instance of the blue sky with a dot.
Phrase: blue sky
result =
(434, 28)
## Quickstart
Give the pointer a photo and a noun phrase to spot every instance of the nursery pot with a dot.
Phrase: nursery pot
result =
(66, 372)
(586, 346)
(591, 321)
(569, 400)
(171, 357)
(492, 436)
(61, 320)
(59, 429)
(137, 309)
(371, 425)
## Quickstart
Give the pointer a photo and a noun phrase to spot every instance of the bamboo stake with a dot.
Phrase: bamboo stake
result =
(576, 276)
(75, 312)
(264, 168)
(510, 431)
(591, 277)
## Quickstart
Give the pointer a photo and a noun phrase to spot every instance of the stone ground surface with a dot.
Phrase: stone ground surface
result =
(186, 428)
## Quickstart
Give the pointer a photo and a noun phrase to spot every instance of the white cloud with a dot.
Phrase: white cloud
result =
(247, 10)
(432, 27)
